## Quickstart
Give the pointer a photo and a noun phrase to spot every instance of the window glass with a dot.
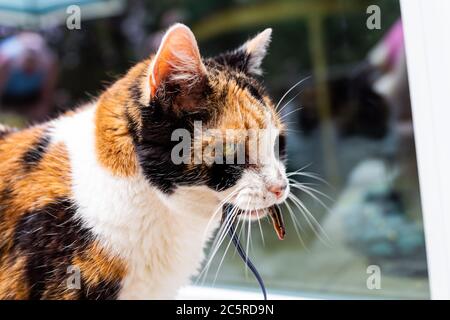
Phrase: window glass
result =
(349, 124)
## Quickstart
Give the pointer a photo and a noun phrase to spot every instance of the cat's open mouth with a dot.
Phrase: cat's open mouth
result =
(273, 212)
(254, 214)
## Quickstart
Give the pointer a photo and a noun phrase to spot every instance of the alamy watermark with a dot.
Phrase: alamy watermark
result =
(73, 280)
(373, 22)
(230, 146)
(373, 281)
(73, 20)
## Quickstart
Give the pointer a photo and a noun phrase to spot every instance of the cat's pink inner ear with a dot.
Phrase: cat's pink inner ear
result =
(178, 59)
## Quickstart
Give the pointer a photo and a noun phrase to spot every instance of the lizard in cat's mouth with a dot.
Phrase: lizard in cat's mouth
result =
(273, 212)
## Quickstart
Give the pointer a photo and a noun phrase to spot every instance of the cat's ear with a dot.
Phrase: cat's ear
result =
(248, 57)
(256, 50)
(177, 61)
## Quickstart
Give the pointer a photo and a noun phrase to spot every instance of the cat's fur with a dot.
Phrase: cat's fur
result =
(96, 191)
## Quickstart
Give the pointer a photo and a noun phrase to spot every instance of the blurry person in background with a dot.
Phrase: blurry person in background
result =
(28, 72)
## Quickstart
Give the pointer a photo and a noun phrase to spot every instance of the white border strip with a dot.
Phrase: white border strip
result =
(209, 293)
(427, 32)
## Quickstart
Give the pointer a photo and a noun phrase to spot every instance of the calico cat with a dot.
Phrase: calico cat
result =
(95, 192)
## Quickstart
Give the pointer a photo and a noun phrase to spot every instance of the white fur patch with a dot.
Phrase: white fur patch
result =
(161, 238)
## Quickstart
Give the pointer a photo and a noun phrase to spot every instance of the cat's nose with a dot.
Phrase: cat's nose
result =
(277, 189)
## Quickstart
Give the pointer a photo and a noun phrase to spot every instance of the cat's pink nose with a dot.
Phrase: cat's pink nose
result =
(277, 189)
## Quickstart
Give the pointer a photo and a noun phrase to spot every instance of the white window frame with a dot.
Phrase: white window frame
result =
(427, 34)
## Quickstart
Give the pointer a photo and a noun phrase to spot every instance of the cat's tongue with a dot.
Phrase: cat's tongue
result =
(277, 221)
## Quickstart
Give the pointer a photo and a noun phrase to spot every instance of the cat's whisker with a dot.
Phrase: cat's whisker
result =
(287, 103)
(307, 214)
(203, 274)
(296, 224)
(242, 228)
(249, 232)
(289, 91)
(219, 210)
(290, 130)
(224, 255)
(309, 191)
(312, 193)
(260, 227)
(230, 241)
(313, 228)
(226, 226)
(215, 247)
(308, 186)
(308, 175)
(300, 169)
(247, 217)
(290, 112)
(221, 236)
(238, 228)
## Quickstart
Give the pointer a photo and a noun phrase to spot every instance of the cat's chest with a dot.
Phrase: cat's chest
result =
(163, 259)
(162, 247)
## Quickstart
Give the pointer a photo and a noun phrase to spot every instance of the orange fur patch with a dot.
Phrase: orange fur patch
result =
(26, 191)
(239, 111)
(98, 266)
(115, 149)
(12, 282)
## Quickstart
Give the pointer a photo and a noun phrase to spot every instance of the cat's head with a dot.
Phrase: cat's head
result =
(208, 124)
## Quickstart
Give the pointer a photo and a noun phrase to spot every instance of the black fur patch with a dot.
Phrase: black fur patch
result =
(159, 120)
(135, 89)
(237, 60)
(224, 176)
(154, 152)
(252, 87)
(33, 156)
(50, 237)
(154, 146)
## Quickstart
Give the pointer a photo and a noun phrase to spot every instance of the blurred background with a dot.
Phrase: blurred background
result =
(349, 122)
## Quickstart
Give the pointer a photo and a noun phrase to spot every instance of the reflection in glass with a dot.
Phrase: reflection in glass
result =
(350, 123)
